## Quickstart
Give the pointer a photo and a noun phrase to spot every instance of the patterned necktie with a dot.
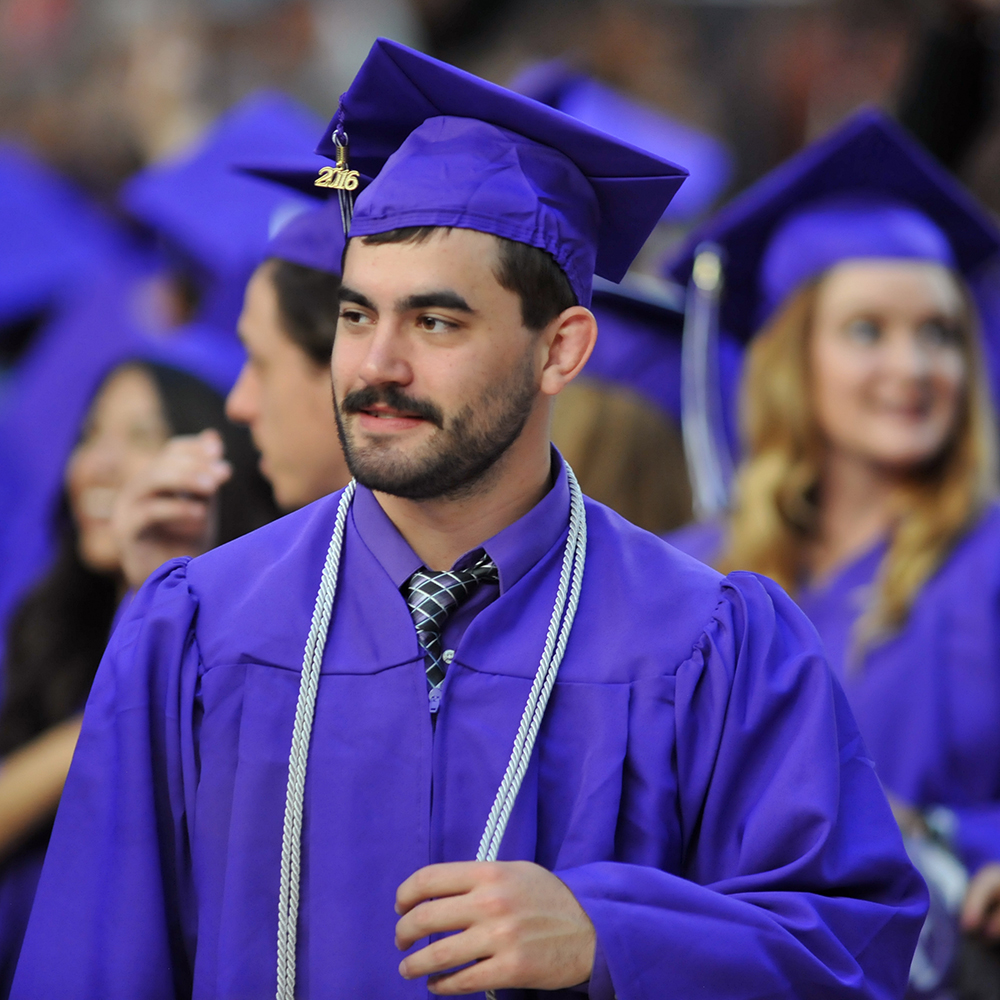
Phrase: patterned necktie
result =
(433, 597)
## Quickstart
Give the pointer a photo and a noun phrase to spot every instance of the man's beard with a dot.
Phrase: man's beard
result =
(459, 458)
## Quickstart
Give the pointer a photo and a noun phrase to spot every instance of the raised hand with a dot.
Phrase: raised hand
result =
(516, 921)
(169, 510)
(981, 909)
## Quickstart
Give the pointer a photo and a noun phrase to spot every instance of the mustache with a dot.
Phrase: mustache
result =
(392, 396)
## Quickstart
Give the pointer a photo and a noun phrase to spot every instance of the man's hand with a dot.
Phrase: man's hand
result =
(521, 926)
(981, 909)
(169, 510)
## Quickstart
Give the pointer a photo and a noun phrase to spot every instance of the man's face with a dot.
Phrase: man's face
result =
(434, 373)
(284, 398)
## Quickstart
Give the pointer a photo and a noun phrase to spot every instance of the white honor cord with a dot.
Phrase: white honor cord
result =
(305, 710)
(563, 613)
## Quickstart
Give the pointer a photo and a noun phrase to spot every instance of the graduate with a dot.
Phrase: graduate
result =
(209, 226)
(282, 395)
(60, 628)
(527, 746)
(287, 326)
(868, 486)
(56, 252)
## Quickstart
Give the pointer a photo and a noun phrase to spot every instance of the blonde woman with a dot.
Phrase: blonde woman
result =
(868, 482)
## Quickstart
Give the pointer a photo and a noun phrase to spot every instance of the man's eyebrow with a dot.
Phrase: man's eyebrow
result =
(445, 299)
(346, 294)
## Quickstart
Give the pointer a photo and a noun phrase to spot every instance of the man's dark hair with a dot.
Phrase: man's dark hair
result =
(532, 274)
(307, 301)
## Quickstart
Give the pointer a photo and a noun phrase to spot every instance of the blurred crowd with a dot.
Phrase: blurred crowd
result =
(153, 403)
(100, 88)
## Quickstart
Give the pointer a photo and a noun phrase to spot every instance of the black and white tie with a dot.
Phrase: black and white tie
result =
(432, 597)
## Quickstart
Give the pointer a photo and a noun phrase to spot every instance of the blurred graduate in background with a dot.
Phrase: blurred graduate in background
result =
(203, 228)
(59, 629)
(282, 395)
(287, 327)
(619, 425)
(868, 485)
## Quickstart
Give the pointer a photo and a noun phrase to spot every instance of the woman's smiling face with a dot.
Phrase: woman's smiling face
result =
(124, 431)
(888, 362)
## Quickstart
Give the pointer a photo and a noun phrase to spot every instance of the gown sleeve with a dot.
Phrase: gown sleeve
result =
(795, 881)
(113, 917)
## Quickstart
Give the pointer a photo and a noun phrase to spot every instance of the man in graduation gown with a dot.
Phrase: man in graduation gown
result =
(698, 815)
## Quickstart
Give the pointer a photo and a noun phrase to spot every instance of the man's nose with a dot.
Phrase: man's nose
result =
(240, 408)
(387, 358)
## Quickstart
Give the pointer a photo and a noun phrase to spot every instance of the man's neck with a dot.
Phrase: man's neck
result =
(442, 530)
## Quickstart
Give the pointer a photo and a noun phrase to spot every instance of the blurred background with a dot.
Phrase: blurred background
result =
(100, 88)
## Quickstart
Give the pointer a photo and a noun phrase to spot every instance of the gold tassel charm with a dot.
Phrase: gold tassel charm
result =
(341, 179)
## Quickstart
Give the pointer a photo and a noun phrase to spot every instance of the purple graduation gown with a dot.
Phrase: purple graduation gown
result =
(698, 781)
(928, 700)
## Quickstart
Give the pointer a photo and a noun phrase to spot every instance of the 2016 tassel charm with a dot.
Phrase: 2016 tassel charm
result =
(341, 179)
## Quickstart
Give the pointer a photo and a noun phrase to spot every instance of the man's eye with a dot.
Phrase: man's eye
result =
(435, 324)
(352, 316)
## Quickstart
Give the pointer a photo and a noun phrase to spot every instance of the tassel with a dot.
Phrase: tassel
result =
(345, 194)
(340, 178)
(709, 462)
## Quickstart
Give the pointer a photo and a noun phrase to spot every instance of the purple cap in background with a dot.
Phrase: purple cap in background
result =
(200, 205)
(867, 190)
(559, 85)
(315, 238)
(51, 237)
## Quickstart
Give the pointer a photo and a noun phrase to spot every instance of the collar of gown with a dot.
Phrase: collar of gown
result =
(515, 550)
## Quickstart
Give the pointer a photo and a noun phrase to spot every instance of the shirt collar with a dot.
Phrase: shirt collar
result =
(514, 550)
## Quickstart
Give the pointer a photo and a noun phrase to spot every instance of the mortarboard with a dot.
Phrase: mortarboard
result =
(639, 341)
(641, 326)
(219, 219)
(433, 145)
(51, 238)
(559, 85)
(314, 238)
(866, 191)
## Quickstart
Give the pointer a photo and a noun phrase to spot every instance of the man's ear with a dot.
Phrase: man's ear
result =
(570, 338)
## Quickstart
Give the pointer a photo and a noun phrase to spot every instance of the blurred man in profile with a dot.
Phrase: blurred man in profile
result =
(283, 395)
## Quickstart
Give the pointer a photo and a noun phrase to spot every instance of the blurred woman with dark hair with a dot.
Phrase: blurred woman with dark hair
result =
(58, 633)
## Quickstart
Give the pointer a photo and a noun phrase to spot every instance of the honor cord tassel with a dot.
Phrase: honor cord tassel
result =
(563, 613)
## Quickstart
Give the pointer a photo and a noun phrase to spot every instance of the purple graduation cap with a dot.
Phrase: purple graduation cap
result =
(51, 238)
(314, 238)
(432, 145)
(639, 342)
(560, 85)
(867, 190)
(641, 328)
(219, 220)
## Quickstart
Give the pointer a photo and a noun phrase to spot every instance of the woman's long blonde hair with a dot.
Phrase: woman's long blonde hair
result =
(775, 511)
